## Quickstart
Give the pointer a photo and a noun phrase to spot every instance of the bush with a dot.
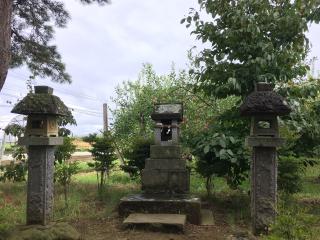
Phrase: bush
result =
(293, 223)
(220, 155)
(136, 156)
(290, 173)
(104, 157)
(63, 175)
(15, 171)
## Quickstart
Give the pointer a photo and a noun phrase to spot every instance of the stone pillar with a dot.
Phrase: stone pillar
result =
(40, 177)
(263, 182)
(40, 184)
(175, 132)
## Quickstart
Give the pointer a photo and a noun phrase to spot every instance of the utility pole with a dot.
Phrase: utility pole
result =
(105, 117)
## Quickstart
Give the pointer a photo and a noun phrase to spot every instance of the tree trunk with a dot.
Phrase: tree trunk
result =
(5, 38)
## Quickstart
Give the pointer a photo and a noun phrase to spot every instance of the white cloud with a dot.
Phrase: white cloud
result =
(103, 46)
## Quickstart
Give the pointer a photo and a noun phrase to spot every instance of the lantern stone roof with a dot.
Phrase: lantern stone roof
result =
(42, 101)
(264, 101)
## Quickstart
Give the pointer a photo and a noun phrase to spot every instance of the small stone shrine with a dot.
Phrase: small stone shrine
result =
(263, 106)
(41, 137)
(165, 171)
(165, 178)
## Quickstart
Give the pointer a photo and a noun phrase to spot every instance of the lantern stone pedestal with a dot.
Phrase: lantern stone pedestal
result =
(165, 179)
(263, 106)
(40, 177)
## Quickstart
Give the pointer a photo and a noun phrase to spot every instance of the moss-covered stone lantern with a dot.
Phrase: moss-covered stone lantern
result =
(42, 109)
(41, 136)
(264, 106)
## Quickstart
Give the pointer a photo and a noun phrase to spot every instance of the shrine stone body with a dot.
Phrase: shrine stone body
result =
(263, 106)
(165, 171)
(41, 137)
(165, 179)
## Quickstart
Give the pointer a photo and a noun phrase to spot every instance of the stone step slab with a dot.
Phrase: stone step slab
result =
(176, 220)
(207, 218)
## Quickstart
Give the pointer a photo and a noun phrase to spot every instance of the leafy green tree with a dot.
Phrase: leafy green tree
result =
(136, 156)
(250, 41)
(201, 114)
(134, 105)
(63, 152)
(63, 174)
(91, 138)
(64, 169)
(16, 171)
(26, 33)
(103, 153)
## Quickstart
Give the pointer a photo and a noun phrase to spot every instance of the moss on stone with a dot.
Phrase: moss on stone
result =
(54, 231)
(41, 103)
(264, 102)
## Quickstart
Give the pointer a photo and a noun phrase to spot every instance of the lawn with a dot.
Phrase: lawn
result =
(94, 214)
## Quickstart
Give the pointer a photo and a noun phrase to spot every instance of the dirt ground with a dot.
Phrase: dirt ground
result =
(112, 229)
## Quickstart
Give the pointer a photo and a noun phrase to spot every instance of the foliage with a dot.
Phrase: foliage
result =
(250, 41)
(33, 24)
(302, 126)
(290, 173)
(293, 222)
(220, 155)
(91, 138)
(134, 105)
(200, 114)
(64, 170)
(14, 129)
(104, 157)
(16, 171)
(136, 156)
(63, 175)
(63, 152)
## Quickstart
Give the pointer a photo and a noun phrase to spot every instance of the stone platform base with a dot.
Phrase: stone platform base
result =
(53, 231)
(162, 203)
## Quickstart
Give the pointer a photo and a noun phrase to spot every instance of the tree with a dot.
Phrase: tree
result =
(250, 41)
(103, 153)
(5, 36)
(205, 118)
(26, 30)
(64, 170)
(136, 156)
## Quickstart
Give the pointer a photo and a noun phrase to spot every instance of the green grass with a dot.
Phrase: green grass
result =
(85, 202)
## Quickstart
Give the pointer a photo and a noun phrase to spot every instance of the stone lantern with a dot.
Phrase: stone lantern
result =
(41, 136)
(264, 106)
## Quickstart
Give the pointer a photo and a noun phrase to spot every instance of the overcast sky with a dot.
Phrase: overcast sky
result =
(103, 46)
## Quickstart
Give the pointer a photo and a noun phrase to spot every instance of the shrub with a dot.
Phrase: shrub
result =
(220, 155)
(293, 223)
(136, 156)
(63, 175)
(15, 171)
(290, 173)
(104, 157)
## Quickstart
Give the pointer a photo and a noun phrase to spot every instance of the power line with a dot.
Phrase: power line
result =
(66, 91)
